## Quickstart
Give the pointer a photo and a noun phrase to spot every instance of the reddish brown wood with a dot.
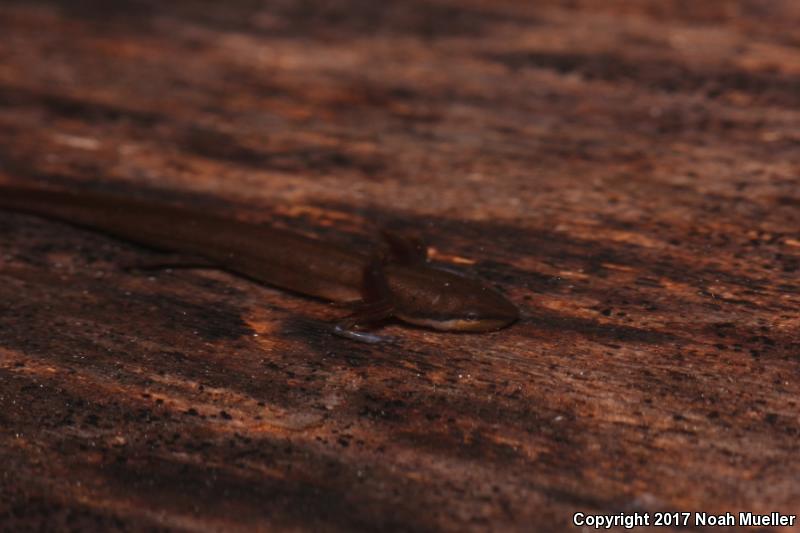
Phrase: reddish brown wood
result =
(627, 171)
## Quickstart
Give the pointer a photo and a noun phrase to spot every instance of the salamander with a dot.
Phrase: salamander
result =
(399, 283)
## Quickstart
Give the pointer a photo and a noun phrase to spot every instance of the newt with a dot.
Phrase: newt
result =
(399, 283)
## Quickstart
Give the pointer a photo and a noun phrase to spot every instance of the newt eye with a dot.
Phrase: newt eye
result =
(472, 316)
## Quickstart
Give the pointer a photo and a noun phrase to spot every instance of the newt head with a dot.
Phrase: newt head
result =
(447, 301)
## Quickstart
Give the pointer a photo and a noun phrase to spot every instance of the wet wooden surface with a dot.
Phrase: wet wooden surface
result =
(626, 171)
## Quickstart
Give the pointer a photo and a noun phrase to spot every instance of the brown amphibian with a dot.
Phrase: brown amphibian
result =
(398, 284)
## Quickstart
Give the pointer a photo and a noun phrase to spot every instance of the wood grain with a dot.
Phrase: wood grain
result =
(626, 171)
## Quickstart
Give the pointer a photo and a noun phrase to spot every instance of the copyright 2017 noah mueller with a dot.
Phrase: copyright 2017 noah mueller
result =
(684, 519)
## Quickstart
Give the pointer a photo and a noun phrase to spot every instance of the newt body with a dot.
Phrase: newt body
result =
(401, 286)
